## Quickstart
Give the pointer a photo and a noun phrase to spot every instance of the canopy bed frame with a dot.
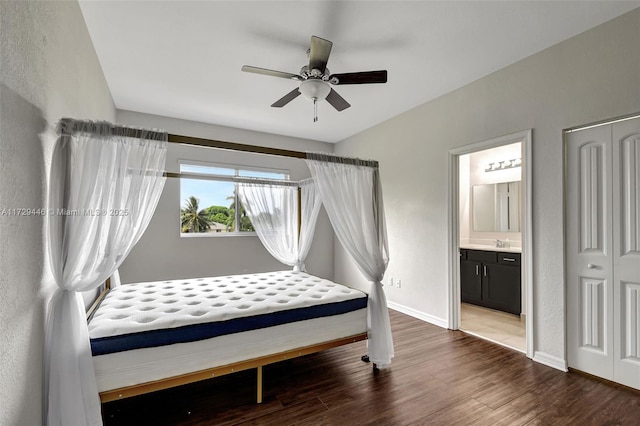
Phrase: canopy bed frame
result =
(372, 262)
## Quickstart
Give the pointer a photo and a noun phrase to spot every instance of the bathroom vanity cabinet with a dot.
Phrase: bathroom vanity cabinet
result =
(491, 279)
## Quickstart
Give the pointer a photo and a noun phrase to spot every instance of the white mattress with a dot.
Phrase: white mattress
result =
(138, 308)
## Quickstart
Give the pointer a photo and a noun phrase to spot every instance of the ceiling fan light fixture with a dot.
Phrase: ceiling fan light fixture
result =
(314, 89)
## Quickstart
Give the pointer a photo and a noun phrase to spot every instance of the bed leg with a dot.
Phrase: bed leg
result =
(365, 358)
(259, 397)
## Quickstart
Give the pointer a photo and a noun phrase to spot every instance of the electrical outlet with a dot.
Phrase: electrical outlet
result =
(398, 283)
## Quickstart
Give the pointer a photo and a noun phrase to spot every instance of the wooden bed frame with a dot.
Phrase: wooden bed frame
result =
(196, 376)
(258, 363)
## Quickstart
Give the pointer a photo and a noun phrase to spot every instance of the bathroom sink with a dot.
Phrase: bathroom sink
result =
(491, 248)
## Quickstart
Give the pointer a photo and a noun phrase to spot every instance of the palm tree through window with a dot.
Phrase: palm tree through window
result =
(211, 207)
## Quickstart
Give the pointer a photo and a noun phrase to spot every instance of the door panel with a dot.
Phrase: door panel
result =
(592, 314)
(626, 254)
(629, 230)
(588, 251)
(631, 317)
(591, 212)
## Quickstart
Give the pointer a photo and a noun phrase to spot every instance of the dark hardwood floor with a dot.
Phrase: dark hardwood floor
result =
(438, 377)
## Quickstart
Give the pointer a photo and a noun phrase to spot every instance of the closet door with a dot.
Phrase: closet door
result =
(602, 217)
(626, 252)
(588, 251)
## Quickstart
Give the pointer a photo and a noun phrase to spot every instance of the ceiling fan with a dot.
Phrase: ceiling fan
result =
(316, 79)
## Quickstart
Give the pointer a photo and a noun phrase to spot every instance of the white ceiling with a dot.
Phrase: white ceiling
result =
(182, 59)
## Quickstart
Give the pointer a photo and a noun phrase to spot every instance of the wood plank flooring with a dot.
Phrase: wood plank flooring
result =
(438, 377)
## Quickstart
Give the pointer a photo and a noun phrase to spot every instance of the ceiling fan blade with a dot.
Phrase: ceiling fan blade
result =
(365, 77)
(319, 53)
(337, 101)
(264, 71)
(286, 98)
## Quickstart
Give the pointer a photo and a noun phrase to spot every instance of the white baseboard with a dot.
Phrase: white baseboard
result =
(550, 361)
(418, 314)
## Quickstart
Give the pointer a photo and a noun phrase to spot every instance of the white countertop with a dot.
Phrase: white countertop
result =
(491, 248)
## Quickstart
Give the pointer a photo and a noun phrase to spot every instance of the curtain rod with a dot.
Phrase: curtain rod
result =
(211, 143)
(69, 126)
(235, 179)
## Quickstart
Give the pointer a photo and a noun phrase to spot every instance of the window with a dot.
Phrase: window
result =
(208, 207)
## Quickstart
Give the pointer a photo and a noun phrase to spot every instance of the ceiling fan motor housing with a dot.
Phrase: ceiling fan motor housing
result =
(307, 73)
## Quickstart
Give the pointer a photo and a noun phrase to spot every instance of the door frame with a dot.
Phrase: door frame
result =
(453, 202)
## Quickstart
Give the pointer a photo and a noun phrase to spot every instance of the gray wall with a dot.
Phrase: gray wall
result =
(48, 70)
(163, 254)
(593, 76)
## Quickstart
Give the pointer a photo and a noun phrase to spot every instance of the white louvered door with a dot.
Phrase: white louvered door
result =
(602, 216)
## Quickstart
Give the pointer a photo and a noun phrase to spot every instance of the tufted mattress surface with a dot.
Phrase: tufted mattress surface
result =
(143, 315)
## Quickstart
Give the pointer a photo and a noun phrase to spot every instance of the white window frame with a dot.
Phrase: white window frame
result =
(224, 178)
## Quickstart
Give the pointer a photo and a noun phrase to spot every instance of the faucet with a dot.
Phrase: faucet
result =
(503, 244)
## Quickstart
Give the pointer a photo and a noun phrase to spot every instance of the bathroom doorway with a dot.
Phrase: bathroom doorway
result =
(490, 240)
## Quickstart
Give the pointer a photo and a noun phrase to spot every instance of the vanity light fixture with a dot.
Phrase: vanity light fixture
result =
(503, 165)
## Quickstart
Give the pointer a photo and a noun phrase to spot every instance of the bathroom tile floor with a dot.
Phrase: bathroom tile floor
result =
(500, 327)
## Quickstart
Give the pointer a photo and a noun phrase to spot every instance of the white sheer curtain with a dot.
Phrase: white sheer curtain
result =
(273, 211)
(310, 208)
(104, 188)
(352, 197)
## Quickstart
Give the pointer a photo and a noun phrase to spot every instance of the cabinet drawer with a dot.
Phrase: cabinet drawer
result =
(482, 256)
(509, 258)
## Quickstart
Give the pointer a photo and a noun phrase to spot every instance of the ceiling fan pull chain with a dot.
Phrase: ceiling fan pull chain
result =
(315, 109)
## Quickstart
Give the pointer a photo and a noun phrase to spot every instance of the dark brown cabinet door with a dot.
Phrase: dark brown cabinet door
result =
(470, 281)
(501, 288)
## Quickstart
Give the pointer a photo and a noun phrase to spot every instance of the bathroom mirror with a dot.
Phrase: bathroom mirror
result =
(496, 207)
